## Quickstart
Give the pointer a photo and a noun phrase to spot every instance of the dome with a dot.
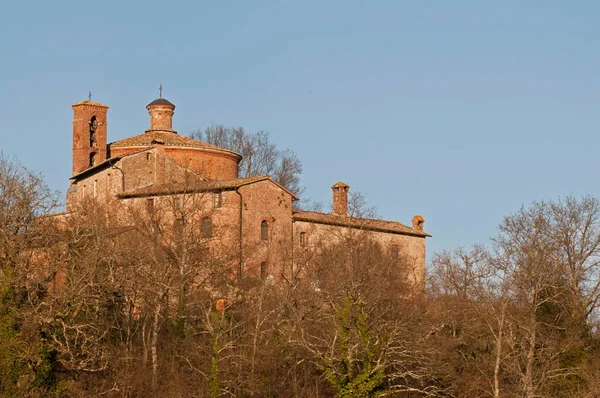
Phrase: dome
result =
(161, 101)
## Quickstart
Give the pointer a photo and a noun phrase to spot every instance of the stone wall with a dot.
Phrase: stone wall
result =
(411, 249)
(266, 201)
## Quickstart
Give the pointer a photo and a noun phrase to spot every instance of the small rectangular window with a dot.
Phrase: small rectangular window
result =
(178, 230)
(150, 206)
(206, 228)
(264, 230)
(302, 239)
(263, 270)
(395, 252)
(218, 199)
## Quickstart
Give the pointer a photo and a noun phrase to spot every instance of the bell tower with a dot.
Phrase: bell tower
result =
(89, 135)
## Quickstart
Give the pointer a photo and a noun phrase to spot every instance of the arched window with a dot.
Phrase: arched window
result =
(263, 270)
(206, 227)
(264, 230)
(93, 127)
(92, 159)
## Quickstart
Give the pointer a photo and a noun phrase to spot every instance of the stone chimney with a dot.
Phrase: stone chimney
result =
(340, 198)
(418, 222)
(161, 115)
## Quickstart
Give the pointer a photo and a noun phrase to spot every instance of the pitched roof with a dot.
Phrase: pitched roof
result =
(169, 139)
(102, 165)
(354, 222)
(201, 186)
(90, 103)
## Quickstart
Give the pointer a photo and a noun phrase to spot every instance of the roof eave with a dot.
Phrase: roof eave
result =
(264, 178)
(296, 217)
(190, 189)
(98, 167)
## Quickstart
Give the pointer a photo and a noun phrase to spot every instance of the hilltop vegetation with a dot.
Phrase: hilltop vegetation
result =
(91, 309)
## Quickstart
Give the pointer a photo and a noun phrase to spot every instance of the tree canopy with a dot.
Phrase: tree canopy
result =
(260, 156)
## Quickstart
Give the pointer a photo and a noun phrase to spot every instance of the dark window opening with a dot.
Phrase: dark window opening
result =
(147, 155)
(264, 230)
(178, 230)
(206, 227)
(155, 231)
(302, 239)
(218, 199)
(395, 252)
(154, 228)
(92, 159)
(93, 127)
(263, 270)
(150, 206)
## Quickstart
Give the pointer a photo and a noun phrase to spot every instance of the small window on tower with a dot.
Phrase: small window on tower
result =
(93, 127)
(302, 239)
(92, 159)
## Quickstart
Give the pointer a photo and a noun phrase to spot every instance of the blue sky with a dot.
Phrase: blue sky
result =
(460, 111)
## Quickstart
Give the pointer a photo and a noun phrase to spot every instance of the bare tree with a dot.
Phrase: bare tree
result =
(481, 292)
(351, 323)
(24, 197)
(260, 156)
(535, 292)
(25, 231)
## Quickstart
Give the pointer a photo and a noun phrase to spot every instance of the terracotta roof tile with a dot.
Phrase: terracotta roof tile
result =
(161, 101)
(169, 139)
(202, 186)
(102, 165)
(91, 103)
(353, 222)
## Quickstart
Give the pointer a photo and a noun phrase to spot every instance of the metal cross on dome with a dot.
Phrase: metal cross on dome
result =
(160, 90)
(90, 96)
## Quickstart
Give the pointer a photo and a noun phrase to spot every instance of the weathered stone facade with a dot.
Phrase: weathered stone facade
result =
(250, 221)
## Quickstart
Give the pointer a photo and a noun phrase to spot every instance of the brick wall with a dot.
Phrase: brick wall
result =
(82, 116)
(211, 165)
(265, 201)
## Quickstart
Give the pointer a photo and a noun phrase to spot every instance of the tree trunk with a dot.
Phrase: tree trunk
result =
(528, 385)
(499, 338)
(155, 343)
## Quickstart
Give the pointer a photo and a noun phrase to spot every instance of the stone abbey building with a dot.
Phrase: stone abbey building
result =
(251, 220)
